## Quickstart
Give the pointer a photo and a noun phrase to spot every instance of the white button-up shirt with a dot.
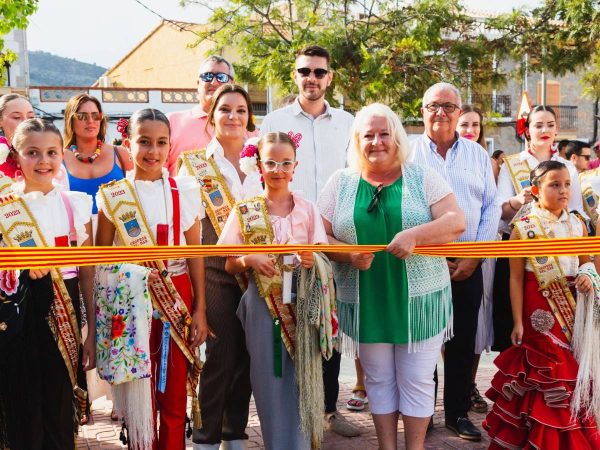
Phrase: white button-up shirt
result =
(468, 170)
(506, 189)
(323, 144)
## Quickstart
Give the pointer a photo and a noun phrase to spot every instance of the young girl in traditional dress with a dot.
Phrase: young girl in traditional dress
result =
(39, 367)
(164, 211)
(533, 389)
(289, 219)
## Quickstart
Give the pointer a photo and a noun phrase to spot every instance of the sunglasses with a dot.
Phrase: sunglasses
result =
(319, 73)
(222, 77)
(375, 199)
(587, 157)
(447, 107)
(272, 166)
(84, 117)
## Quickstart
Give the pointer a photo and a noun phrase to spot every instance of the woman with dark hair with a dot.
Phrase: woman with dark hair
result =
(514, 192)
(470, 124)
(225, 383)
(89, 160)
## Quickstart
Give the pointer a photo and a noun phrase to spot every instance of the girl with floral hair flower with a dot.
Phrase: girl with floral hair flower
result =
(289, 218)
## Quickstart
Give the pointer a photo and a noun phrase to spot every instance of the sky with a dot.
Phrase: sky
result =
(102, 32)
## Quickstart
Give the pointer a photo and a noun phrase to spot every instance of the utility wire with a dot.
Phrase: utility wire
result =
(172, 22)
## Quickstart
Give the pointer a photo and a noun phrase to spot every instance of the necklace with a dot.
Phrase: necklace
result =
(87, 159)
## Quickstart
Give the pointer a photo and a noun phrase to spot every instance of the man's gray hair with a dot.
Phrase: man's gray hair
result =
(218, 59)
(443, 86)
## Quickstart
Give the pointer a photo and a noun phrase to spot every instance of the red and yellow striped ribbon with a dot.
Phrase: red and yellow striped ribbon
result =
(34, 257)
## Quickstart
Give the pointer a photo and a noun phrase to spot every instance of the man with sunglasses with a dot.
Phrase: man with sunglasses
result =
(188, 127)
(465, 165)
(579, 153)
(322, 135)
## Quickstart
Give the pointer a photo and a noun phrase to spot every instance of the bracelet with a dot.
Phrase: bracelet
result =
(511, 206)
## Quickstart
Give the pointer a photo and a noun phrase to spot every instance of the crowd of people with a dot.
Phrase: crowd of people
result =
(276, 326)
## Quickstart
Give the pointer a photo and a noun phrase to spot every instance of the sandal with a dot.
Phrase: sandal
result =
(357, 402)
(478, 403)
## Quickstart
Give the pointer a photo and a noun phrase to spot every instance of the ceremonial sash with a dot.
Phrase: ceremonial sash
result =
(217, 199)
(124, 210)
(257, 230)
(550, 277)
(19, 229)
(216, 196)
(5, 184)
(519, 171)
(590, 186)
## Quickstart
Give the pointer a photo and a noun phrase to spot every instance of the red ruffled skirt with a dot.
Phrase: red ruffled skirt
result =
(533, 387)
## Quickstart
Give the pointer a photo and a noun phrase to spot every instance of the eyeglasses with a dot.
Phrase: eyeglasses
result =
(222, 77)
(84, 117)
(587, 157)
(305, 72)
(447, 107)
(272, 166)
(375, 199)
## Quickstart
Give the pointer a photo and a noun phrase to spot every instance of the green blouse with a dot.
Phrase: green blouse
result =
(383, 289)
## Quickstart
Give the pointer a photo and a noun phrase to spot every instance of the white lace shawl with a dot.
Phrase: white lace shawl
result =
(428, 277)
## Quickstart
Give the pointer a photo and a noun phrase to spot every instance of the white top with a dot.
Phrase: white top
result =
(506, 189)
(250, 187)
(565, 226)
(157, 204)
(51, 215)
(323, 144)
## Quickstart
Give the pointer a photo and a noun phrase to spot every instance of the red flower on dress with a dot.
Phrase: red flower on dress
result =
(9, 281)
(118, 326)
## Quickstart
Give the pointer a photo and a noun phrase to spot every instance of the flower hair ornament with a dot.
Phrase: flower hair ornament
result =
(296, 138)
(4, 149)
(249, 157)
(122, 127)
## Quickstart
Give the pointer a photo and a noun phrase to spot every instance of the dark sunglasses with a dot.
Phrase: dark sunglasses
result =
(587, 157)
(305, 72)
(222, 77)
(375, 198)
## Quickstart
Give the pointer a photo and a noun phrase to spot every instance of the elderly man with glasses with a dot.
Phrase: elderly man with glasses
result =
(189, 127)
(466, 166)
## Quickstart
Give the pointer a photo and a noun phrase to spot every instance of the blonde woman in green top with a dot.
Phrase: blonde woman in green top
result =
(394, 307)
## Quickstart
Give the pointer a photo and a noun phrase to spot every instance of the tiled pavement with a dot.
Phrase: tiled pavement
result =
(103, 434)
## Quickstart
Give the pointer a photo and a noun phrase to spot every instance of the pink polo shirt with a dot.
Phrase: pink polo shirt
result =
(188, 132)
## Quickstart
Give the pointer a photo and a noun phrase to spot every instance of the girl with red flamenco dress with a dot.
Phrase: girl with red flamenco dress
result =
(542, 398)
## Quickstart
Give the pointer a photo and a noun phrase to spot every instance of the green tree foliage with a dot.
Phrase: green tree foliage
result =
(13, 14)
(386, 50)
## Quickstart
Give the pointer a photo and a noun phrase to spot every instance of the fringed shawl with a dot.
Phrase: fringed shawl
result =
(429, 292)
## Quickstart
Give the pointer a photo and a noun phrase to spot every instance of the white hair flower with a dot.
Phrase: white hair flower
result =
(249, 157)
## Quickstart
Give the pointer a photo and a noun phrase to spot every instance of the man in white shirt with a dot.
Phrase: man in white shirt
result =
(322, 134)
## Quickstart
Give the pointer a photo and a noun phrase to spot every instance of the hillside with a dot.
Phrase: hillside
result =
(46, 69)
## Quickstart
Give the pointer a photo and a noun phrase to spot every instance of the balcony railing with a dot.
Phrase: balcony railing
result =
(499, 104)
(566, 116)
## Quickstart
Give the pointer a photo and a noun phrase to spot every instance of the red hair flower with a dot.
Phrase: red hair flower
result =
(122, 127)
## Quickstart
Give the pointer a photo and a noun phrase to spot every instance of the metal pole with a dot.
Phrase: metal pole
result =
(544, 87)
